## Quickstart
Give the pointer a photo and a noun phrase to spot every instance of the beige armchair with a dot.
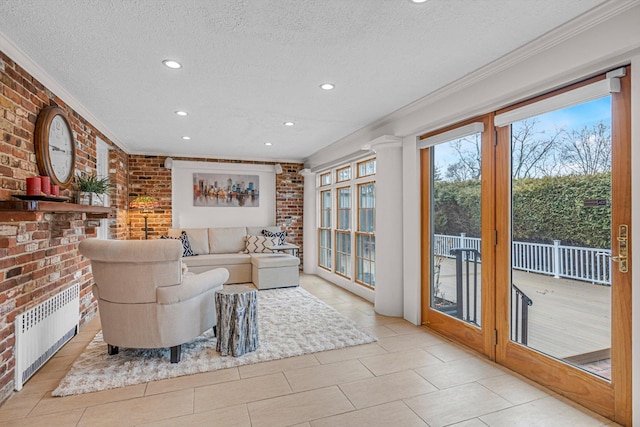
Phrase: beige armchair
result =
(143, 298)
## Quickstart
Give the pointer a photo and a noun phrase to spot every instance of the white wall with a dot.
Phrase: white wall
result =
(187, 215)
(594, 43)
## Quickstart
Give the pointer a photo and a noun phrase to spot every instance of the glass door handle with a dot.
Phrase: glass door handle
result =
(623, 249)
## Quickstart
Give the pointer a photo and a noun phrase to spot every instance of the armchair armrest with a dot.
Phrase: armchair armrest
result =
(192, 286)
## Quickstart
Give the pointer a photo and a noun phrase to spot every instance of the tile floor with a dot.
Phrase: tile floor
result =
(410, 377)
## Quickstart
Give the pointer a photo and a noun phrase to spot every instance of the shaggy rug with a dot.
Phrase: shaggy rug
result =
(292, 322)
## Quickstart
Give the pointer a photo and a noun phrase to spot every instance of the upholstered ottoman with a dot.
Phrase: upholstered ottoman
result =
(274, 270)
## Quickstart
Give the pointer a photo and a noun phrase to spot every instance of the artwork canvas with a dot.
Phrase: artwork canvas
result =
(226, 190)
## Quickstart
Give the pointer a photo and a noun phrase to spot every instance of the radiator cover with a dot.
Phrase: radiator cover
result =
(42, 330)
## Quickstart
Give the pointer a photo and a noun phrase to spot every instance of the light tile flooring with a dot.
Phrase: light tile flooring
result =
(410, 377)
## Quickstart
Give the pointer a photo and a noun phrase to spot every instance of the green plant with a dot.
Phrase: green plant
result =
(92, 184)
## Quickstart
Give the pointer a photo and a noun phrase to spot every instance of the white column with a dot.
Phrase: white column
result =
(389, 268)
(310, 244)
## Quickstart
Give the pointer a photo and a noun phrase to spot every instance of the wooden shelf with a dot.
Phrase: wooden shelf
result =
(34, 210)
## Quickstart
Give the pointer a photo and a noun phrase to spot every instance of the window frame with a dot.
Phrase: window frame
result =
(323, 228)
(341, 231)
(335, 187)
(365, 235)
(344, 168)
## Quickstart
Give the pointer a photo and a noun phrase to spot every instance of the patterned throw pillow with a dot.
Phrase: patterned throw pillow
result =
(279, 234)
(186, 246)
(259, 244)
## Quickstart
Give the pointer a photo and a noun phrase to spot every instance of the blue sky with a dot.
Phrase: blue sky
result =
(570, 118)
(577, 116)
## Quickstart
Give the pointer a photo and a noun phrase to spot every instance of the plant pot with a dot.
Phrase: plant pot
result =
(91, 199)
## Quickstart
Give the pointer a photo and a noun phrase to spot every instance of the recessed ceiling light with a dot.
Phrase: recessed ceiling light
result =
(181, 113)
(186, 138)
(418, 1)
(268, 144)
(172, 64)
(327, 86)
(289, 123)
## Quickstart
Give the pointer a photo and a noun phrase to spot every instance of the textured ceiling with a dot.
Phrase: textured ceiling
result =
(250, 65)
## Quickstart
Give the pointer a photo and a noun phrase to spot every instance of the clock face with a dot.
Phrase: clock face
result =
(60, 146)
(55, 146)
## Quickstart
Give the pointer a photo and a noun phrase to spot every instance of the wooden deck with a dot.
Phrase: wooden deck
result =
(568, 318)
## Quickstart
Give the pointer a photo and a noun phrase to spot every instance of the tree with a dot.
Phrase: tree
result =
(587, 151)
(532, 150)
(469, 161)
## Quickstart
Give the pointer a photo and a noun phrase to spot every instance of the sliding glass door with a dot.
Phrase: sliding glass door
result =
(457, 177)
(563, 275)
(526, 239)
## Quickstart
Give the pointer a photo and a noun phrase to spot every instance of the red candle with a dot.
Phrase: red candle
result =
(33, 186)
(55, 190)
(45, 182)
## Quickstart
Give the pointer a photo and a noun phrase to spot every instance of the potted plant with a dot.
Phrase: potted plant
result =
(91, 189)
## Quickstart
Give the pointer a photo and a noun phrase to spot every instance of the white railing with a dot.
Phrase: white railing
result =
(572, 262)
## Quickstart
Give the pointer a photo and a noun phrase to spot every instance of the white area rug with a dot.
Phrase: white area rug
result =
(292, 322)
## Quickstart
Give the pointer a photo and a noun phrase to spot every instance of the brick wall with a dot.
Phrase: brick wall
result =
(38, 253)
(147, 176)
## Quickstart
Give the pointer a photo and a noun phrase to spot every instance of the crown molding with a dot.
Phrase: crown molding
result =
(21, 58)
(552, 38)
(565, 32)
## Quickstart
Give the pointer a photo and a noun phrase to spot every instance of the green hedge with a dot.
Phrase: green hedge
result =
(544, 209)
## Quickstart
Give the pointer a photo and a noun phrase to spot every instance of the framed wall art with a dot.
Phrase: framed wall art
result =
(226, 190)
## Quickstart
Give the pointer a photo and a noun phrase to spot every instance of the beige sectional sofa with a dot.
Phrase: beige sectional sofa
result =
(217, 247)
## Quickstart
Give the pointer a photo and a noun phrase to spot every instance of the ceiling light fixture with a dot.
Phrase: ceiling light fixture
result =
(327, 86)
(418, 1)
(172, 64)
(181, 113)
(268, 144)
(289, 123)
(186, 138)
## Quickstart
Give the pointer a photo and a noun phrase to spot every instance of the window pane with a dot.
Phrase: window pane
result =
(325, 249)
(367, 204)
(367, 168)
(344, 208)
(325, 219)
(344, 174)
(343, 253)
(325, 178)
(365, 259)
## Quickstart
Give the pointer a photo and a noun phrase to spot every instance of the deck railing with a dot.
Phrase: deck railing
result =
(467, 289)
(520, 304)
(572, 262)
(466, 304)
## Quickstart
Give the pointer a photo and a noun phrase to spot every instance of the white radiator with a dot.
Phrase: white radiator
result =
(42, 330)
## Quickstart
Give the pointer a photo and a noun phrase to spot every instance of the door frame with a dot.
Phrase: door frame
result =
(481, 339)
(609, 398)
(612, 399)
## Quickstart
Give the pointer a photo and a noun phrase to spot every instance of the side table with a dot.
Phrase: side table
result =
(237, 316)
(287, 247)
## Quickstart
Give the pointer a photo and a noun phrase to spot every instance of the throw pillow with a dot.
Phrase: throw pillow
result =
(259, 244)
(279, 234)
(186, 246)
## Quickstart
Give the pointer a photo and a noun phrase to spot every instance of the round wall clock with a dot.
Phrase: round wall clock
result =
(55, 146)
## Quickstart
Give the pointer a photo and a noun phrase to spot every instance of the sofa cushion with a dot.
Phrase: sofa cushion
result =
(260, 244)
(198, 238)
(257, 231)
(226, 240)
(218, 260)
(281, 235)
(186, 245)
(274, 260)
